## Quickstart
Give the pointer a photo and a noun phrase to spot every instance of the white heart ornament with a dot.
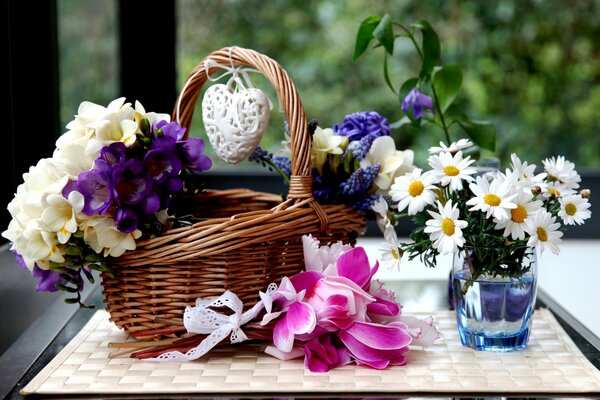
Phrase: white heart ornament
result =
(235, 120)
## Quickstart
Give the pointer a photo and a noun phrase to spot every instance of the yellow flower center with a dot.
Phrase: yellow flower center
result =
(492, 200)
(571, 209)
(518, 214)
(415, 188)
(541, 234)
(554, 192)
(448, 226)
(451, 170)
(395, 254)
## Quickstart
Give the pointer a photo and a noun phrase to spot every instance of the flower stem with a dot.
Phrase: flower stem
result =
(441, 114)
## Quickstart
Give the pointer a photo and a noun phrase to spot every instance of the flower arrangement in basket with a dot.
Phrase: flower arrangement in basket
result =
(123, 194)
(493, 222)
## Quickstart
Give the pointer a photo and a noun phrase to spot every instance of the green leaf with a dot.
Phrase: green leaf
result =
(483, 133)
(384, 33)
(406, 87)
(446, 82)
(431, 48)
(365, 35)
(386, 73)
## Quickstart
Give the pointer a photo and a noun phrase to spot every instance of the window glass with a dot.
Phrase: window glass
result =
(88, 54)
(531, 70)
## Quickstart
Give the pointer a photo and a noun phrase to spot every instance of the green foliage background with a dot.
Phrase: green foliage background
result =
(531, 67)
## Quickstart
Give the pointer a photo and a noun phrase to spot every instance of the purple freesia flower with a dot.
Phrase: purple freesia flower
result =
(114, 153)
(152, 203)
(48, 278)
(191, 152)
(360, 124)
(97, 191)
(131, 184)
(126, 220)
(161, 165)
(417, 102)
(168, 129)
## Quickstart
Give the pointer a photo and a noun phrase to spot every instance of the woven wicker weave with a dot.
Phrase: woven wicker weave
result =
(248, 239)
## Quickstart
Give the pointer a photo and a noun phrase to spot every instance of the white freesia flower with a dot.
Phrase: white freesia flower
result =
(393, 162)
(453, 148)
(544, 232)
(445, 229)
(413, 190)
(495, 198)
(390, 249)
(37, 246)
(451, 170)
(152, 117)
(525, 208)
(562, 171)
(574, 209)
(101, 234)
(60, 214)
(73, 159)
(325, 142)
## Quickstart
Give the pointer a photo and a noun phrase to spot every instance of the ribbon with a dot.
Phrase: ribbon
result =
(203, 319)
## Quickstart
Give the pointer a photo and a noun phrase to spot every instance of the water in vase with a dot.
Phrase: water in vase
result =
(494, 314)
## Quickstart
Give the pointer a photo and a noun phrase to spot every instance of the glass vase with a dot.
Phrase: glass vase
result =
(493, 313)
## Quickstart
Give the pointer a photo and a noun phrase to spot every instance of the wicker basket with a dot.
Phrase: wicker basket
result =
(248, 239)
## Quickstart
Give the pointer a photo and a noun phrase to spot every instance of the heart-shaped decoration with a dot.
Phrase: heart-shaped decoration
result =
(235, 120)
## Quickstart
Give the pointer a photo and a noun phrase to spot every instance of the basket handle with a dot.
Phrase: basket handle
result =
(301, 175)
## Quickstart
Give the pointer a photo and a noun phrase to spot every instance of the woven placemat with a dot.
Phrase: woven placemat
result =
(551, 364)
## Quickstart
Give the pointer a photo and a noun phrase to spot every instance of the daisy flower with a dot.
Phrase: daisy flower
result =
(445, 228)
(515, 225)
(574, 209)
(390, 250)
(562, 171)
(451, 170)
(413, 190)
(525, 174)
(544, 232)
(557, 189)
(493, 198)
(453, 148)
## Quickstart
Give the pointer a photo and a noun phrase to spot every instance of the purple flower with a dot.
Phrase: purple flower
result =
(358, 125)
(96, 188)
(48, 278)
(161, 165)
(152, 203)
(321, 354)
(416, 102)
(360, 181)
(191, 152)
(168, 129)
(131, 184)
(126, 220)
(115, 153)
(360, 148)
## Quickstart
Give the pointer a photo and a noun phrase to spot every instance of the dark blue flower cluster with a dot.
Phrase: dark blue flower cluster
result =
(138, 181)
(360, 124)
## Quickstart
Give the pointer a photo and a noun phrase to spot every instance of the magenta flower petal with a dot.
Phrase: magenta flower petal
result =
(354, 265)
(335, 314)
(383, 307)
(301, 318)
(305, 280)
(375, 358)
(321, 354)
(282, 337)
(381, 337)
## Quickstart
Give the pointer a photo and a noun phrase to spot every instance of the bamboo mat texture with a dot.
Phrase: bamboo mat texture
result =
(551, 364)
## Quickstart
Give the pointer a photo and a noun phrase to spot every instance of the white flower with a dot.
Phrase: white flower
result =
(453, 148)
(73, 159)
(152, 117)
(574, 209)
(381, 210)
(60, 214)
(562, 171)
(525, 208)
(37, 246)
(322, 259)
(101, 234)
(393, 162)
(414, 190)
(525, 176)
(390, 249)
(451, 170)
(445, 228)
(543, 229)
(493, 198)
(325, 142)
(557, 189)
